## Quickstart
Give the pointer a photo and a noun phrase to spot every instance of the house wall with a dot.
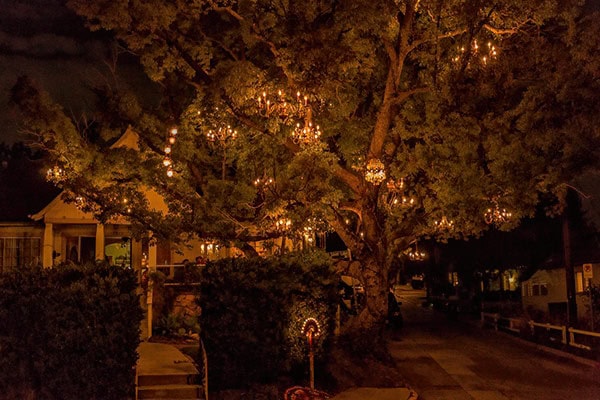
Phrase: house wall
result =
(556, 290)
(583, 300)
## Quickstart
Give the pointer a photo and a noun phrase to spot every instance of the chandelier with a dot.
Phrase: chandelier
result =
(483, 55)
(222, 134)
(56, 175)
(496, 215)
(444, 224)
(375, 172)
(282, 106)
(283, 224)
(395, 194)
(263, 182)
(415, 254)
(307, 135)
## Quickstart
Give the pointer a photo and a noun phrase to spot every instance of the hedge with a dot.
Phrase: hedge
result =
(70, 332)
(253, 311)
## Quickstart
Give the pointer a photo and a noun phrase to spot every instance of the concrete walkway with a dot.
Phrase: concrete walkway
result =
(163, 359)
(163, 372)
(377, 394)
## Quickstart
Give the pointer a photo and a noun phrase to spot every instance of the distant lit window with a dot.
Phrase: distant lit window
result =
(453, 278)
(579, 286)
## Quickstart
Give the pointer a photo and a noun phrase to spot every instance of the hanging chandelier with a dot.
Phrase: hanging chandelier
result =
(307, 135)
(483, 54)
(415, 254)
(56, 175)
(444, 224)
(221, 134)
(496, 215)
(395, 194)
(283, 225)
(375, 171)
(282, 106)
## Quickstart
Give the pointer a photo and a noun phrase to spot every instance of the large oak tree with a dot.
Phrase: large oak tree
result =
(430, 113)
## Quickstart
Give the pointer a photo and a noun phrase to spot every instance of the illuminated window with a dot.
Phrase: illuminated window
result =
(579, 282)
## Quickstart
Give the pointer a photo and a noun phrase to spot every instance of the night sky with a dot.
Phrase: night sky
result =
(49, 43)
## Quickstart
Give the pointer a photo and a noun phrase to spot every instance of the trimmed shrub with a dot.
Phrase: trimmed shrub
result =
(69, 332)
(253, 311)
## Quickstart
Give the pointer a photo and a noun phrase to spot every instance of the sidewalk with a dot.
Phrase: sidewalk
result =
(377, 394)
(163, 359)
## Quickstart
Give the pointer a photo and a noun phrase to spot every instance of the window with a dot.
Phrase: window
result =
(19, 252)
(539, 289)
(579, 282)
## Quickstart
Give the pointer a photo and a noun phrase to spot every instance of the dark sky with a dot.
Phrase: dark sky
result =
(49, 43)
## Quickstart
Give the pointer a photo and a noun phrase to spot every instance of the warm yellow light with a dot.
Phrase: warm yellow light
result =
(375, 172)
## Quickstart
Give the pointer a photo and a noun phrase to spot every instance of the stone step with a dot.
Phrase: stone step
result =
(167, 379)
(180, 392)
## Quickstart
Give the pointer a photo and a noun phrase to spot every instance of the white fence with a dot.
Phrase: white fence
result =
(567, 335)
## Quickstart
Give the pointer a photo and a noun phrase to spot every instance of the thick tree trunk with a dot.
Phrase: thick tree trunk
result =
(373, 274)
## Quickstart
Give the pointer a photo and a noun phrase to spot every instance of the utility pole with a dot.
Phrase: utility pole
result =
(569, 272)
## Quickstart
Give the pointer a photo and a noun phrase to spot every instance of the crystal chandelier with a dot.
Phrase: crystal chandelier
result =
(375, 172)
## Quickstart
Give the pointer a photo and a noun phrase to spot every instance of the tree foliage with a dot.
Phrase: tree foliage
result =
(469, 106)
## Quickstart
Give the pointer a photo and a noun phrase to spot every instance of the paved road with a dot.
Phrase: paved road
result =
(450, 360)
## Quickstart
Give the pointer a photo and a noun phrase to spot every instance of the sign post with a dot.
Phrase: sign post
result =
(588, 274)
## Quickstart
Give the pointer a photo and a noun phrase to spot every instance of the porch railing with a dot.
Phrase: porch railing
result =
(176, 274)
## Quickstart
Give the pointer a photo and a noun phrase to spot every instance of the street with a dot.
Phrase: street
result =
(455, 360)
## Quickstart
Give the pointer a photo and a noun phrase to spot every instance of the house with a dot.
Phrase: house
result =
(62, 232)
(545, 292)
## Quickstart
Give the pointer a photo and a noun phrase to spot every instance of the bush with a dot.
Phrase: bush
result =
(253, 311)
(69, 332)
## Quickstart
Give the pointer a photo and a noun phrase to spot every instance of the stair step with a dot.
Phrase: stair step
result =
(187, 392)
(167, 379)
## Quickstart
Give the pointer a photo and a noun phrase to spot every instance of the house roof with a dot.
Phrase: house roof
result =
(59, 211)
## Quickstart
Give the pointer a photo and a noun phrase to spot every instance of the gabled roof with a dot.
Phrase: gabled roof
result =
(129, 140)
(59, 211)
